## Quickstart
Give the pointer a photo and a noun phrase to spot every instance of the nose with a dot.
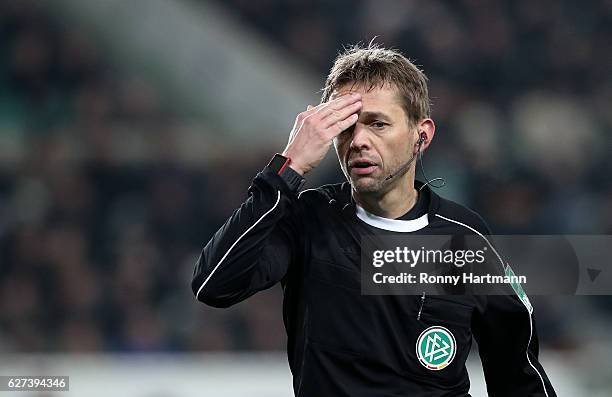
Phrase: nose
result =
(361, 138)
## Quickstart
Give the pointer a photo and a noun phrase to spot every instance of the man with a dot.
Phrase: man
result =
(375, 110)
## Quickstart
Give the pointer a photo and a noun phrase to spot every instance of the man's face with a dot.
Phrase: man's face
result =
(379, 143)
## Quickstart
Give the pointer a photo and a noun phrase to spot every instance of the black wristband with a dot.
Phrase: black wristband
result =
(280, 165)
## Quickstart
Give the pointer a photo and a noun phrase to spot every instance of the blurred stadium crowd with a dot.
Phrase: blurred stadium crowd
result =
(98, 239)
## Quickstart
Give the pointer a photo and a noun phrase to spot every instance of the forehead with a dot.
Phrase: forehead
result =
(383, 98)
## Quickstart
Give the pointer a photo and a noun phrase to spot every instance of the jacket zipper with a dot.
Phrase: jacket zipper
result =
(421, 306)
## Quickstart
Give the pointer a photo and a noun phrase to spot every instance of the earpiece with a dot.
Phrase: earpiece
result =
(422, 138)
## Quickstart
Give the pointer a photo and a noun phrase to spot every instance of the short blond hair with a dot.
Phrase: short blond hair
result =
(374, 66)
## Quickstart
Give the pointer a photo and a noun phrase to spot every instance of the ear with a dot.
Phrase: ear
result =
(427, 127)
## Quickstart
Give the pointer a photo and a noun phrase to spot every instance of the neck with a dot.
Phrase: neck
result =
(392, 203)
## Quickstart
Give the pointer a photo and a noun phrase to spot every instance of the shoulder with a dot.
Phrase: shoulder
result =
(461, 216)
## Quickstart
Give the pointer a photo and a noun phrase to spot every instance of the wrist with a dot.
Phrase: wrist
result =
(293, 164)
(281, 165)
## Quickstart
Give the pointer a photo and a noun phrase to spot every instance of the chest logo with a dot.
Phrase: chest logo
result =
(436, 348)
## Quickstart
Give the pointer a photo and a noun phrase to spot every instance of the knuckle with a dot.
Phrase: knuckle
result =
(321, 134)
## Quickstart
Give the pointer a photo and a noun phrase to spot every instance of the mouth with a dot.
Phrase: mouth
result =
(361, 166)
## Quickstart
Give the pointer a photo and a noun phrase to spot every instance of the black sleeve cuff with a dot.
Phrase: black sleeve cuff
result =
(294, 180)
(288, 181)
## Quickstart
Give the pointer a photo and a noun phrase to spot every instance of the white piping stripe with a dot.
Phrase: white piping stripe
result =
(393, 225)
(478, 233)
(305, 190)
(527, 353)
(236, 242)
(524, 305)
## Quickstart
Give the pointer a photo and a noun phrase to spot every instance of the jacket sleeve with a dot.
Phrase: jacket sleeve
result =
(255, 247)
(508, 346)
(504, 328)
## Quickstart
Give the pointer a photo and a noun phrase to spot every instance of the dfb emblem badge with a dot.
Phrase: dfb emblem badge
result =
(436, 348)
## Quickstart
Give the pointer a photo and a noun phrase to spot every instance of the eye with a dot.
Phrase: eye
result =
(379, 125)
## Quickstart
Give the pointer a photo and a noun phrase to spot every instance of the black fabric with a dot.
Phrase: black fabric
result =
(341, 342)
(293, 180)
(418, 209)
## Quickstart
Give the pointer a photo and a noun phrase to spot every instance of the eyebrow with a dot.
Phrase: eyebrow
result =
(375, 115)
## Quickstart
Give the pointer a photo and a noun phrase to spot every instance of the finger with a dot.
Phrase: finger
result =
(341, 114)
(345, 96)
(344, 100)
(338, 104)
(311, 110)
(307, 113)
(342, 125)
(325, 109)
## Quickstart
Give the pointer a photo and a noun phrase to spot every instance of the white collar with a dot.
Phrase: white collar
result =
(393, 225)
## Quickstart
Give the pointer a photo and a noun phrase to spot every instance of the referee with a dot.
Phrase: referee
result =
(375, 110)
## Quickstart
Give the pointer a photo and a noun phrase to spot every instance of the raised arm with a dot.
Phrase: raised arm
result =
(256, 246)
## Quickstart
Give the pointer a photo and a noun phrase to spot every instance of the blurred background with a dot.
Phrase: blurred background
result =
(130, 130)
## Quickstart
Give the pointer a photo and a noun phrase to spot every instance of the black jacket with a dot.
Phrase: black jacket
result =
(340, 342)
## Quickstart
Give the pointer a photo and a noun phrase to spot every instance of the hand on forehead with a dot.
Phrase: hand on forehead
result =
(379, 99)
(347, 89)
